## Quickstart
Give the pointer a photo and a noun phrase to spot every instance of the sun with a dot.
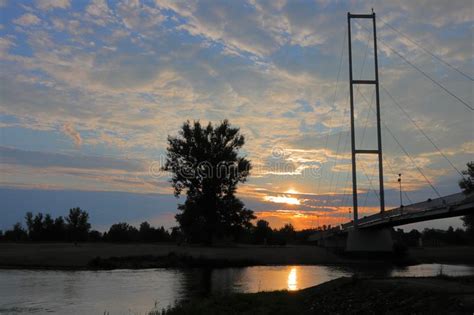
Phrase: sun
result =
(283, 199)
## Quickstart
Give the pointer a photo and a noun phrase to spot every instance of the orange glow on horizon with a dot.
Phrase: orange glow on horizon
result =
(304, 219)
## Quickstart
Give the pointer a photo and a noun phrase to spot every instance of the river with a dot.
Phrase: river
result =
(140, 291)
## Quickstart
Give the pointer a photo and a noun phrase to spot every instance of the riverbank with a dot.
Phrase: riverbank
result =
(109, 255)
(69, 256)
(345, 295)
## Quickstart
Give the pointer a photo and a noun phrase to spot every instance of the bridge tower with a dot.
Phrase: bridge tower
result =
(366, 240)
(374, 82)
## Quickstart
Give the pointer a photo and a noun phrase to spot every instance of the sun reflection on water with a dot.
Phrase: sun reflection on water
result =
(292, 280)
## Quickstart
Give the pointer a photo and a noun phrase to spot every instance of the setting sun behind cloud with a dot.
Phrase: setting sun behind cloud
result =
(283, 199)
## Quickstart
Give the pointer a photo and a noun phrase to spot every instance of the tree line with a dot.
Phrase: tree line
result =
(434, 237)
(76, 228)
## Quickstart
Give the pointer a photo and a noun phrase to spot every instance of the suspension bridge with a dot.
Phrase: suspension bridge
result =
(372, 233)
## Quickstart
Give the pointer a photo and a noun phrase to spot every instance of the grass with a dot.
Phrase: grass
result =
(69, 256)
(84, 256)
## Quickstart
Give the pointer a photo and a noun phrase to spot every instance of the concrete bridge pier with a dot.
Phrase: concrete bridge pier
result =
(369, 240)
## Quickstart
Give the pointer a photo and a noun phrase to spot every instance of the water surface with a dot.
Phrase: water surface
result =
(139, 291)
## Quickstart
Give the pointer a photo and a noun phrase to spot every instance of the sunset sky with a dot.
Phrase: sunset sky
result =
(90, 90)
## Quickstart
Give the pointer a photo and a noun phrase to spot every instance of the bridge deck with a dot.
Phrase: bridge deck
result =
(445, 207)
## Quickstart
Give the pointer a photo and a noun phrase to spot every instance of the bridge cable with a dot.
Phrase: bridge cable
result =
(425, 50)
(413, 161)
(369, 180)
(368, 191)
(422, 72)
(384, 159)
(346, 141)
(366, 121)
(395, 173)
(346, 185)
(367, 118)
(391, 133)
(337, 156)
(365, 127)
(334, 102)
(406, 153)
(363, 135)
(421, 131)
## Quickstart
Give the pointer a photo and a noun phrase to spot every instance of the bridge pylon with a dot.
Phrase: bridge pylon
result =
(363, 240)
(355, 151)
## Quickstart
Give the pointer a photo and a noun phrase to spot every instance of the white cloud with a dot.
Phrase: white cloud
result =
(250, 63)
(138, 16)
(52, 4)
(98, 8)
(27, 19)
(235, 25)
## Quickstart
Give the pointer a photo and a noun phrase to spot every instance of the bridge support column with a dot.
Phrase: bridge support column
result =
(369, 240)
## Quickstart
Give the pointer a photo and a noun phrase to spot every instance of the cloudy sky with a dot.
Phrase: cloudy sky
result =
(90, 90)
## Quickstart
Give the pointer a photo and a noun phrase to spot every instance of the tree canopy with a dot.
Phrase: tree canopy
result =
(78, 224)
(205, 164)
(467, 182)
(467, 185)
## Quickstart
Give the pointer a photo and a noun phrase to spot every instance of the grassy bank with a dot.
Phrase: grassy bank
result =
(347, 296)
(142, 255)
(69, 256)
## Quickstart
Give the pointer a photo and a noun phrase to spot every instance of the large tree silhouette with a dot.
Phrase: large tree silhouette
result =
(206, 165)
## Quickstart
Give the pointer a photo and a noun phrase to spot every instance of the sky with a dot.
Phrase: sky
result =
(90, 90)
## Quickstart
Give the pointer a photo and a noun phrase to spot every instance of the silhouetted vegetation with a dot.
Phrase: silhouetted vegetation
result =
(467, 186)
(78, 225)
(206, 165)
(263, 234)
(17, 234)
(467, 182)
(76, 228)
(433, 237)
(123, 232)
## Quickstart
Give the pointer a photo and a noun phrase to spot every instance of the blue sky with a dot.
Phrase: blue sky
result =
(90, 90)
